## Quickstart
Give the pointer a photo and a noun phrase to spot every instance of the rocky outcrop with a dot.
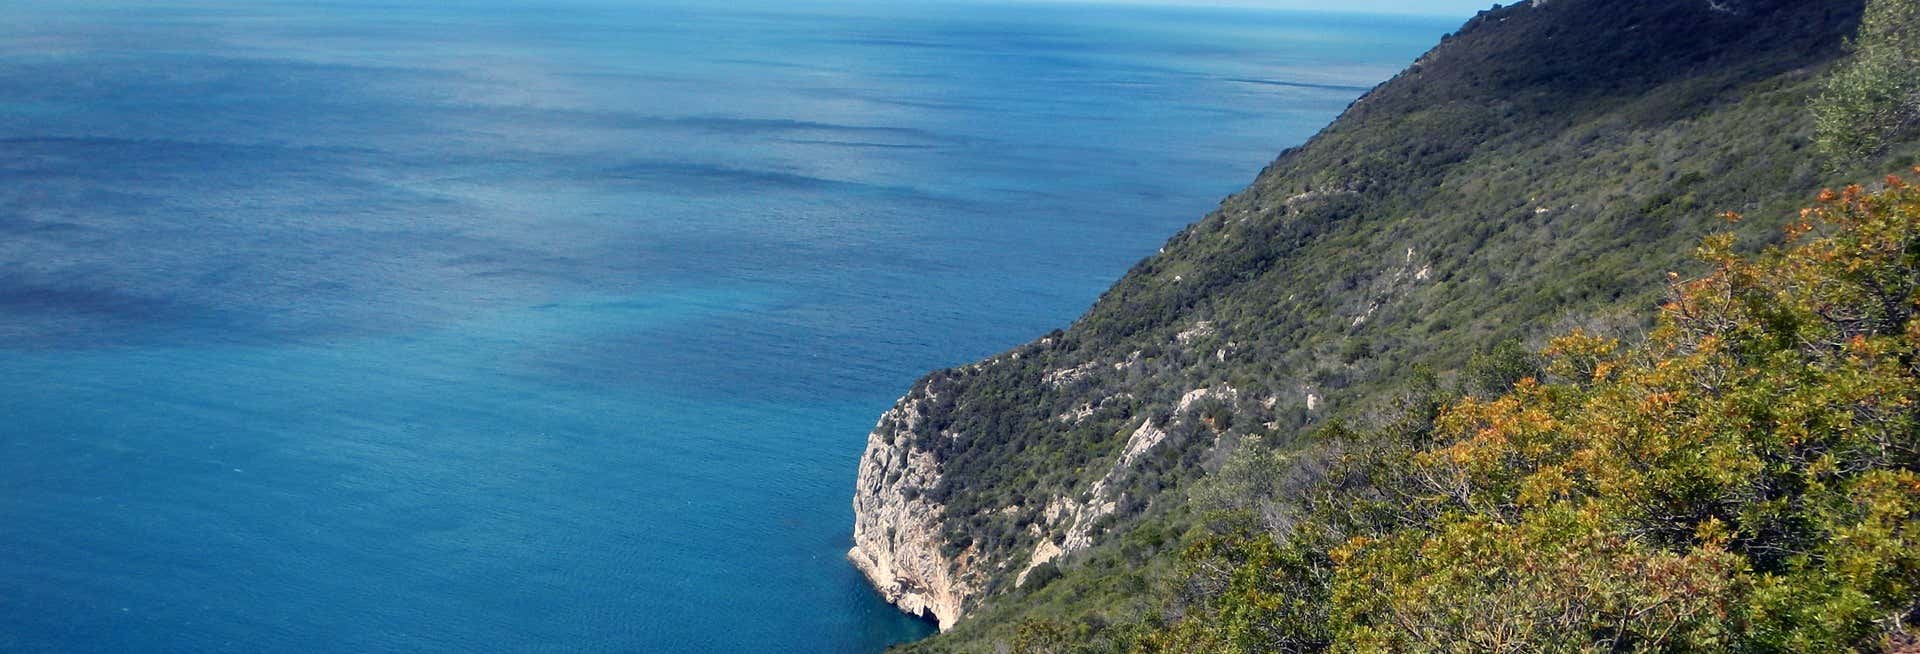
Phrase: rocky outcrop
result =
(1081, 517)
(897, 529)
(900, 531)
(1043, 553)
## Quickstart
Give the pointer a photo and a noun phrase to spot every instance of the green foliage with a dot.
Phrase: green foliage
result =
(1876, 94)
(1746, 480)
(1542, 169)
(1495, 372)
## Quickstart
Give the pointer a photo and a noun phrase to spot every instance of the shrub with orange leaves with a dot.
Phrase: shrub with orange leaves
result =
(1742, 481)
(1747, 479)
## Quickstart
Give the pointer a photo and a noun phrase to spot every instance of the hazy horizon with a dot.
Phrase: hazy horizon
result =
(1429, 8)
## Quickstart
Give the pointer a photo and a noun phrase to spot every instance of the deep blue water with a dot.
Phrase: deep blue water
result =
(476, 326)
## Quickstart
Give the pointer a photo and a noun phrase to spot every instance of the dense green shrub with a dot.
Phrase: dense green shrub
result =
(1877, 93)
(1746, 480)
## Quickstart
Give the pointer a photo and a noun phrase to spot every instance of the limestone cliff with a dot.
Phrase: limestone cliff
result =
(901, 540)
(897, 534)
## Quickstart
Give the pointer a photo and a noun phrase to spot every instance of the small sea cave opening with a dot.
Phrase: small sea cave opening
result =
(928, 619)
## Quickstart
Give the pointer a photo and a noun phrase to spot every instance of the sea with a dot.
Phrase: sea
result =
(556, 326)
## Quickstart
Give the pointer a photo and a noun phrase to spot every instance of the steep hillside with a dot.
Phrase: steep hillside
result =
(1542, 168)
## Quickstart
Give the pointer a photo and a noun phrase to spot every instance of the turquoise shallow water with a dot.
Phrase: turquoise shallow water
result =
(362, 327)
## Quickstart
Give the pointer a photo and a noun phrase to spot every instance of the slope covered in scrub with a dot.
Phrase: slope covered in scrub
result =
(1543, 169)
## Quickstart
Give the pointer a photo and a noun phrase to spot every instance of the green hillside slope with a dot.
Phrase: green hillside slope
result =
(1540, 170)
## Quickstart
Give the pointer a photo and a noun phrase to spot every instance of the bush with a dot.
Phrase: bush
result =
(1877, 94)
(1746, 480)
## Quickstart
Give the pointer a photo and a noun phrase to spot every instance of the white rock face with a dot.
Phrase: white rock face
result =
(1142, 439)
(1196, 395)
(1080, 516)
(898, 535)
(1199, 330)
(1042, 553)
(896, 529)
(1065, 376)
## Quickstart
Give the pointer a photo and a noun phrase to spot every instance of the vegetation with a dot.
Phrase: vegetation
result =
(1877, 94)
(1539, 171)
(1745, 480)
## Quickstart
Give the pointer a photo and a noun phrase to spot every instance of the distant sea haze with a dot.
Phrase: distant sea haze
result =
(371, 327)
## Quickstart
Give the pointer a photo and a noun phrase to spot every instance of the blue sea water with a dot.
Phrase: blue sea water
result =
(359, 326)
